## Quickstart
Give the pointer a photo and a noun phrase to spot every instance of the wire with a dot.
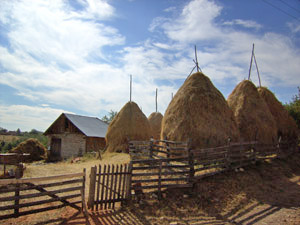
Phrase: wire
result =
(290, 6)
(274, 6)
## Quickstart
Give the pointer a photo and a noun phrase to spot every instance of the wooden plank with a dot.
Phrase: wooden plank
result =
(208, 162)
(17, 195)
(98, 184)
(36, 211)
(92, 186)
(159, 180)
(39, 194)
(179, 159)
(178, 148)
(102, 187)
(163, 173)
(162, 180)
(120, 181)
(165, 186)
(111, 185)
(156, 166)
(115, 186)
(38, 179)
(83, 205)
(24, 187)
(126, 189)
(106, 189)
(28, 204)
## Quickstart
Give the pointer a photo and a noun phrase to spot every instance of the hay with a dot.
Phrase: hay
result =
(155, 123)
(286, 125)
(199, 112)
(129, 124)
(32, 146)
(252, 114)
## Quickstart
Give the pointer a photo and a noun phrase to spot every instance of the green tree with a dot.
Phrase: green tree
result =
(18, 132)
(294, 108)
(108, 118)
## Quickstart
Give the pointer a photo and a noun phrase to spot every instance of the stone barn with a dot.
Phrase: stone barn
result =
(73, 135)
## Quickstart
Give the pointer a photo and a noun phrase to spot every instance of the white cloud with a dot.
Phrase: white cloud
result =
(170, 9)
(225, 52)
(196, 22)
(28, 117)
(55, 57)
(244, 23)
(294, 27)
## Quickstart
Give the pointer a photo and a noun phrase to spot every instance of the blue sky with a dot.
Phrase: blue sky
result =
(76, 56)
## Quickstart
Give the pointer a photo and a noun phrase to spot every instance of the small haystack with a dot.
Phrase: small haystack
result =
(199, 112)
(286, 125)
(129, 124)
(32, 146)
(155, 119)
(252, 114)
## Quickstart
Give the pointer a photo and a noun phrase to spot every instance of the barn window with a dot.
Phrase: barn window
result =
(66, 124)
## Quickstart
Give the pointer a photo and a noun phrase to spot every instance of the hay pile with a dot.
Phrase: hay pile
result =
(155, 119)
(129, 124)
(286, 125)
(200, 112)
(32, 146)
(252, 114)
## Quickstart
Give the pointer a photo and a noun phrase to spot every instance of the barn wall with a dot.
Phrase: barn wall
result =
(71, 144)
(94, 144)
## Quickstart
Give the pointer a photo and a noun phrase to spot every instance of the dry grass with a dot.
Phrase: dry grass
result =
(8, 138)
(155, 120)
(286, 125)
(199, 112)
(32, 146)
(252, 114)
(129, 124)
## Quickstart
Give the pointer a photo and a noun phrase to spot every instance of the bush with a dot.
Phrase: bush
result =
(294, 108)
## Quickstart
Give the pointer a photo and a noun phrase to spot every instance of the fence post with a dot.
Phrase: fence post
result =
(159, 180)
(227, 154)
(167, 147)
(83, 194)
(17, 194)
(128, 182)
(151, 148)
(191, 162)
(91, 198)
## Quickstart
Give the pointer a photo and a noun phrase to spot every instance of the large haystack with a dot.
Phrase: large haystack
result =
(32, 146)
(286, 125)
(155, 119)
(199, 112)
(252, 114)
(129, 124)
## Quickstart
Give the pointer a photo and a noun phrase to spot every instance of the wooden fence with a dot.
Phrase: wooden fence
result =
(165, 162)
(25, 196)
(108, 186)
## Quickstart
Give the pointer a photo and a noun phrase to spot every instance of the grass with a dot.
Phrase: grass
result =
(41, 169)
(9, 138)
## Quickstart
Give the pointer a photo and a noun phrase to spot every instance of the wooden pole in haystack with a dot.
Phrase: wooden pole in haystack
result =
(196, 62)
(156, 101)
(130, 86)
(251, 61)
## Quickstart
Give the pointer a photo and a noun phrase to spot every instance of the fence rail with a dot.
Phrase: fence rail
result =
(164, 162)
(20, 197)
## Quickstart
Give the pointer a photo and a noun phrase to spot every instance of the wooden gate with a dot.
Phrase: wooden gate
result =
(109, 184)
(25, 196)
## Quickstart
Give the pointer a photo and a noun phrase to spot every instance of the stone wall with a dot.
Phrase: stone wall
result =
(71, 144)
